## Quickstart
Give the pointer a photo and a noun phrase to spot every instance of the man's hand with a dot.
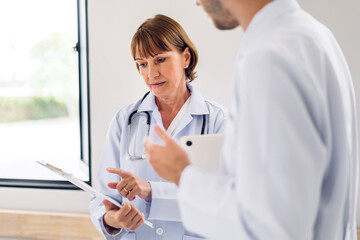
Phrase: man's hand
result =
(130, 185)
(168, 161)
(127, 217)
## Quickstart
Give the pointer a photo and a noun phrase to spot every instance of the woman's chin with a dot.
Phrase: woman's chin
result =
(158, 92)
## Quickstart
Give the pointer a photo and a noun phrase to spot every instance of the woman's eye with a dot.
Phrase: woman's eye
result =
(160, 60)
(142, 65)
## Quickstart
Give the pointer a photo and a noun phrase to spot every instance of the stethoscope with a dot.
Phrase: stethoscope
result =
(148, 121)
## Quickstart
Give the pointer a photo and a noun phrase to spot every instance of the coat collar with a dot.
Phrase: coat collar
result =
(265, 18)
(197, 104)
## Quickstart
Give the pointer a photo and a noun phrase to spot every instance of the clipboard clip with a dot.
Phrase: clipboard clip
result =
(54, 169)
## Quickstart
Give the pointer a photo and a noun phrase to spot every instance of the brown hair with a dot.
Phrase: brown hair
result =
(158, 33)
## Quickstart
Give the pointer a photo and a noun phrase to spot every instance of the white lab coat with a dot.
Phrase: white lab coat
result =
(162, 210)
(291, 148)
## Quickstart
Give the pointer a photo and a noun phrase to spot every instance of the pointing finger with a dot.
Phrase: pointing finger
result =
(118, 171)
(162, 134)
(151, 149)
(148, 144)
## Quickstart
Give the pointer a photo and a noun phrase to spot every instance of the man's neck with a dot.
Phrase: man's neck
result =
(245, 10)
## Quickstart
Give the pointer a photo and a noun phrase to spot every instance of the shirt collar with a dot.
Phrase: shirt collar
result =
(148, 104)
(265, 17)
(197, 104)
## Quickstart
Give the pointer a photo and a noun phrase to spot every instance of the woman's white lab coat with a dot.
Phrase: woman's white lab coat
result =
(162, 210)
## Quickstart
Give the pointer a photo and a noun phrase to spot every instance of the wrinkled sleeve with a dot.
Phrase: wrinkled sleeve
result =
(164, 205)
(279, 156)
(109, 158)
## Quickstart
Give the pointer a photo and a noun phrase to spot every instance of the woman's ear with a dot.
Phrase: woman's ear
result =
(187, 57)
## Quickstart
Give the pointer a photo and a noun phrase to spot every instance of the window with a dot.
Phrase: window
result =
(43, 91)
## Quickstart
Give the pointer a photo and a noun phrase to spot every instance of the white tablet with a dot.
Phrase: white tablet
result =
(204, 150)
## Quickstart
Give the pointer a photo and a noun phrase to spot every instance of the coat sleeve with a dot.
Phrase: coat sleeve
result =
(109, 158)
(164, 205)
(278, 152)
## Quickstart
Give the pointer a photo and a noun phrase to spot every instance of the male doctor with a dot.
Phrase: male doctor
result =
(291, 147)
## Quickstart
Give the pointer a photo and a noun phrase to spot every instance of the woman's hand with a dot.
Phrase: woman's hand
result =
(130, 185)
(127, 217)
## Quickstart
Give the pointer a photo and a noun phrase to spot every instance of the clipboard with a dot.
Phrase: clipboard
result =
(83, 185)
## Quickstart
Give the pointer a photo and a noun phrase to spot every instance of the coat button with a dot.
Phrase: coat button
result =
(159, 231)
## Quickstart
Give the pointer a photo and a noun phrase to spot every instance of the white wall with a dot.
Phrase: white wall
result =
(114, 80)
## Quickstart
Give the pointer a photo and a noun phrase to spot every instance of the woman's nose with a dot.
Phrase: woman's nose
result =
(153, 71)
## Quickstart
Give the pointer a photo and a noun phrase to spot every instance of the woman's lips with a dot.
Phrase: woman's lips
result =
(156, 85)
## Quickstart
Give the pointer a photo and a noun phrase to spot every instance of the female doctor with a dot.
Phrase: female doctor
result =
(166, 60)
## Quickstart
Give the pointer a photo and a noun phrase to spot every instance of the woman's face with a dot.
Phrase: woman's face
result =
(164, 73)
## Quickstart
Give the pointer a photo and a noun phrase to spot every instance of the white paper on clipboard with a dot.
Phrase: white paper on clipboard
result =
(83, 185)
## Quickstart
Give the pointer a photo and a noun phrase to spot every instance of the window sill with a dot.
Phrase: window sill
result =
(52, 226)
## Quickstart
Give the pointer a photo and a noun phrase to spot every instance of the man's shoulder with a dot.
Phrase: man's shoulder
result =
(293, 35)
(285, 47)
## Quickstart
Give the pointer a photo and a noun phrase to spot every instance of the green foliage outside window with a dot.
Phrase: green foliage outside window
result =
(31, 108)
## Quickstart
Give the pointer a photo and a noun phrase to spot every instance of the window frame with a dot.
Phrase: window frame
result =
(82, 48)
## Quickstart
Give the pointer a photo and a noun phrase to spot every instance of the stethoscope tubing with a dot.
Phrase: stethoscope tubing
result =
(148, 122)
